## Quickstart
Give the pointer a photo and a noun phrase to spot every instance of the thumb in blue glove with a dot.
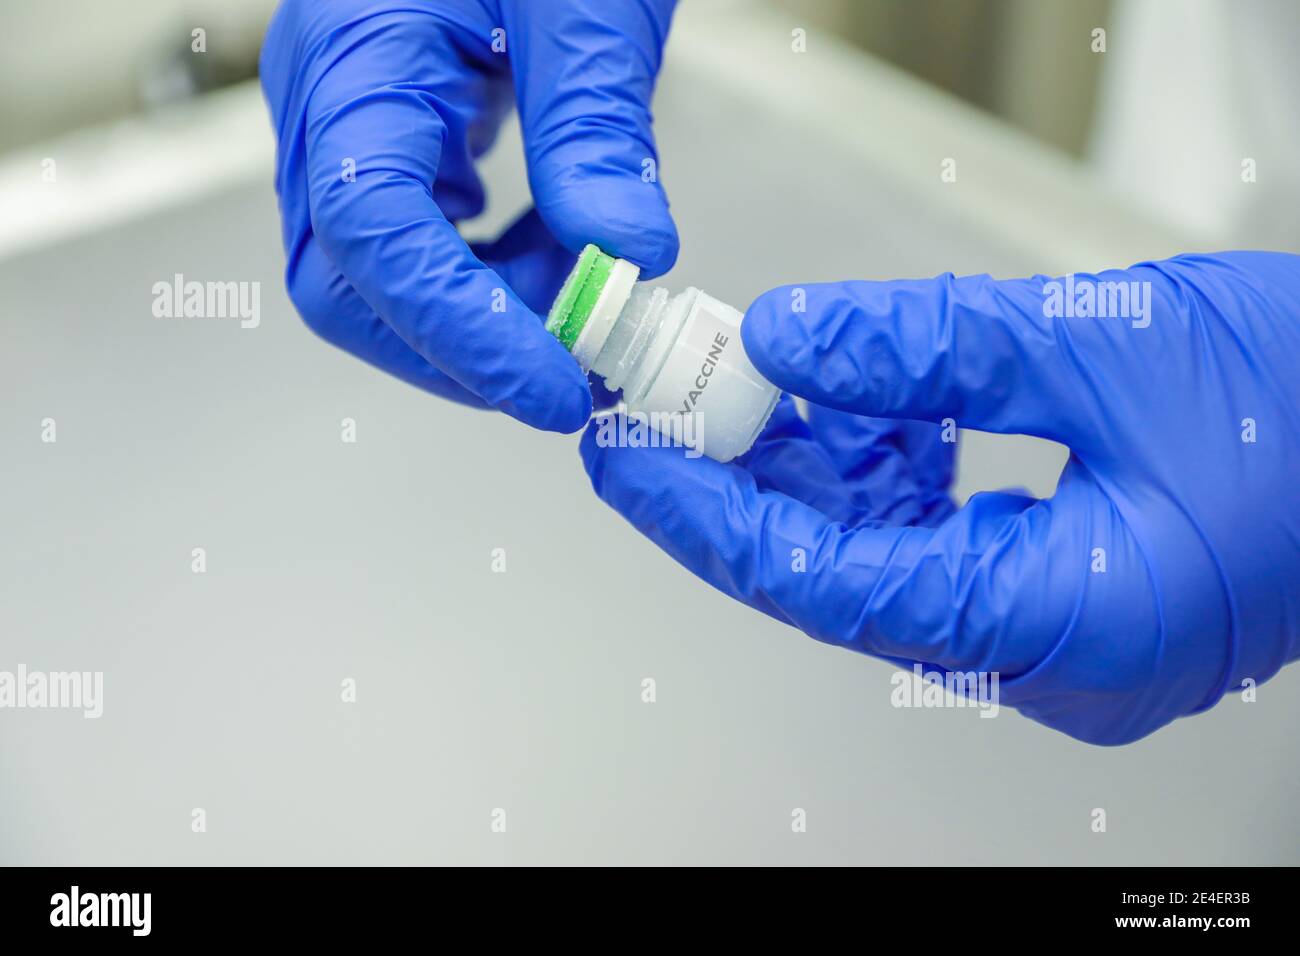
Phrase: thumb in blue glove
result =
(1163, 572)
(380, 110)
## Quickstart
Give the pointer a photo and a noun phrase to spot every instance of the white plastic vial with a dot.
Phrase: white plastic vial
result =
(678, 359)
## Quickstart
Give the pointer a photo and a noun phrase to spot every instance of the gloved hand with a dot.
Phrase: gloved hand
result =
(381, 107)
(1163, 573)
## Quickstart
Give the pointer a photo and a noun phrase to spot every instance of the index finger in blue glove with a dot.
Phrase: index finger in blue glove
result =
(394, 244)
(333, 309)
(979, 351)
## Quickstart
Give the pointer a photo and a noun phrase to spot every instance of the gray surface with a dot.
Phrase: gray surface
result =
(480, 690)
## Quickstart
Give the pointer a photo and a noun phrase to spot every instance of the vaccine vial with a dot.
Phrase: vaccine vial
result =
(678, 358)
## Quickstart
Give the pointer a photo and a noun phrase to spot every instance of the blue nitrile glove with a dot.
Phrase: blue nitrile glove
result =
(1163, 573)
(381, 107)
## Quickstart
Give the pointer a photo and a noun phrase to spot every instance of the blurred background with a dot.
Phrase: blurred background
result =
(373, 561)
(1203, 82)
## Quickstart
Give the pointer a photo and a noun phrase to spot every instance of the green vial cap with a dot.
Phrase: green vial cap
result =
(578, 296)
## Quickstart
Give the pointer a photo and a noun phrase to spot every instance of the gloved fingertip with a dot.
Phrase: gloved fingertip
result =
(587, 446)
(601, 397)
(554, 400)
(759, 326)
(774, 332)
(595, 454)
(654, 249)
(574, 411)
(625, 217)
